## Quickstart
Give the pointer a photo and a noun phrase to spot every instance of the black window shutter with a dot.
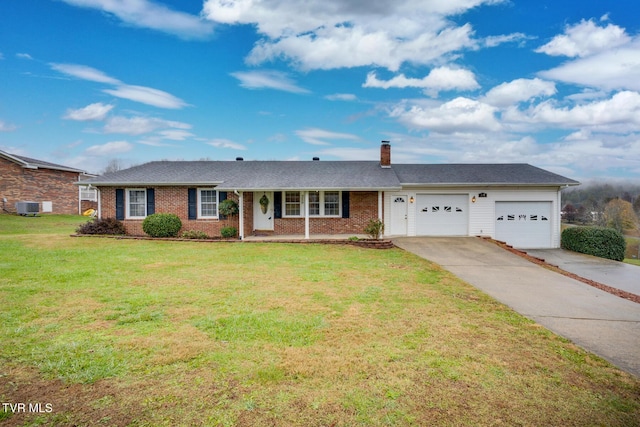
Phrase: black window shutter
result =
(277, 204)
(119, 204)
(345, 204)
(151, 201)
(192, 202)
(222, 196)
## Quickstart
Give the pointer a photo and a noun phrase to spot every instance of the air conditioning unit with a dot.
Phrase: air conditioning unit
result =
(27, 208)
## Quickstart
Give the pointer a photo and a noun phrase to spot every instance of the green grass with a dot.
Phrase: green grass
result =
(153, 333)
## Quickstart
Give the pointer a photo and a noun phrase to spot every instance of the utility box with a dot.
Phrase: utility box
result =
(27, 208)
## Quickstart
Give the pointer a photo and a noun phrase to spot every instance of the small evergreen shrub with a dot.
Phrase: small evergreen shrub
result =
(107, 226)
(228, 232)
(162, 225)
(597, 241)
(228, 207)
(374, 228)
(194, 234)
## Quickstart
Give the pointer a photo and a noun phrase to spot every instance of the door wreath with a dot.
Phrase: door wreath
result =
(264, 203)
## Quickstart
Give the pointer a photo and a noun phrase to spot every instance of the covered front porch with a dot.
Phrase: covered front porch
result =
(306, 214)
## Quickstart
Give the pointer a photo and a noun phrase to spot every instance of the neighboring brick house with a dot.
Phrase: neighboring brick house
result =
(517, 203)
(52, 186)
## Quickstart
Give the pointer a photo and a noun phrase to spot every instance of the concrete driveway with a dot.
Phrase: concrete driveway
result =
(604, 324)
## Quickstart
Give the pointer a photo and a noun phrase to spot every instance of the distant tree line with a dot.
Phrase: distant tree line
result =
(608, 205)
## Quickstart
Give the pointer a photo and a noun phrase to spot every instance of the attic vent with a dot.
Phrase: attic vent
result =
(239, 159)
(316, 159)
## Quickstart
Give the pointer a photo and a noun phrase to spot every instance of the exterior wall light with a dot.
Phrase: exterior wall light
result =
(411, 199)
(473, 199)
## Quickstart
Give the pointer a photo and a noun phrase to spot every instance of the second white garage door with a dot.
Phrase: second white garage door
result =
(525, 225)
(442, 215)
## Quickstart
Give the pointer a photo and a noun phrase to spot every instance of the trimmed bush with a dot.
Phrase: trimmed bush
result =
(162, 225)
(374, 228)
(228, 232)
(598, 241)
(108, 226)
(194, 234)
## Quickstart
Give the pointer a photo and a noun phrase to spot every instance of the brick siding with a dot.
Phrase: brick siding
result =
(363, 207)
(38, 185)
(167, 200)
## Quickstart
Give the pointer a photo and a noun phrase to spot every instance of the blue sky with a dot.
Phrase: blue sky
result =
(552, 83)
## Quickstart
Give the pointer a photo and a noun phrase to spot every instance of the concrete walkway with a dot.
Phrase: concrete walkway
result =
(611, 273)
(604, 324)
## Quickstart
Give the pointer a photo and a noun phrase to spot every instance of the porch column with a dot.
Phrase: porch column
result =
(241, 214)
(306, 214)
(380, 206)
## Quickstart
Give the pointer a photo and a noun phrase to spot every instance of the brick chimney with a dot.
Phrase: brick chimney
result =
(385, 154)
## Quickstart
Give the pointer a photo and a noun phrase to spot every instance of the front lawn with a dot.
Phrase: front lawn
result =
(152, 333)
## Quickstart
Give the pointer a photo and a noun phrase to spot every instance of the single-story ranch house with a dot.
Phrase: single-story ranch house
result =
(516, 203)
(53, 187)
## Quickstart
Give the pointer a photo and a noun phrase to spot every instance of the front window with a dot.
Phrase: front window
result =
(314, 203)
(208, 203)
(331, 203)
(292, 204)
(136, 203)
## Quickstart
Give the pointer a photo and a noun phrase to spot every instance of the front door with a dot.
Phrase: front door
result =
(398, 215)
(263, 210)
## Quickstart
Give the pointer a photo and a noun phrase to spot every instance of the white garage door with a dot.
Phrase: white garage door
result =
(525, 225)
(442, 215)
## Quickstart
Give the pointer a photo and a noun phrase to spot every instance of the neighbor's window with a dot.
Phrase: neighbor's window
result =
(292, 203)
(207, 203)
(136, 203)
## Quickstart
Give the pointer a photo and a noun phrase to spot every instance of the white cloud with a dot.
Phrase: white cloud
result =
(327, 34)
(225, 143)
(584, 39)
(519, 90)
(493, 41)
(96, 111)
(456, 116)
(6, 127)
(142, 94)
(267, 80)
(24, 56)
(175, 134)
(110, 148)
(615, 69)
(438, 79)
(317, 136)
(140, 125)
(341, 97)
(620, 113)
(147, 14)
(85, 73)
(147, 95)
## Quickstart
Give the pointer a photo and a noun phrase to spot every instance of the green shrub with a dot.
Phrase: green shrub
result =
(228, 232)
(228, 207)
(110, 226)
(162, 225)
(598, 241)
(194, 234)
(374, 228)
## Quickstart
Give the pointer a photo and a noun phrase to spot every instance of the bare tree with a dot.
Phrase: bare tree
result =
(114, 165)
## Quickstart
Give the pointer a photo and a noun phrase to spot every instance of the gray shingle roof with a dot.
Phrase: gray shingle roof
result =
(35, 163)
(325, 175)
(477, 174)
(258, 175)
